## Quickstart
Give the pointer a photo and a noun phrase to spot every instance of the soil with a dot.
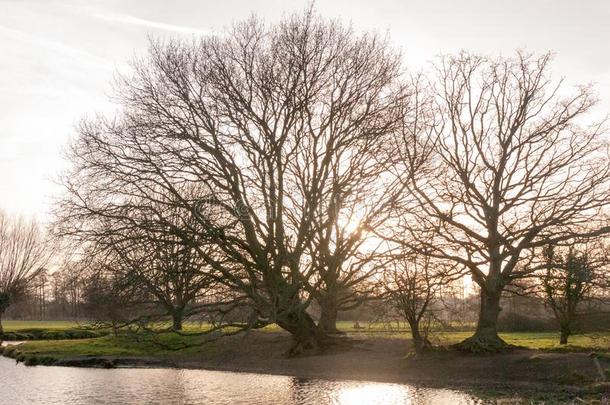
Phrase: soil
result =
(517, 371)
(388, 360)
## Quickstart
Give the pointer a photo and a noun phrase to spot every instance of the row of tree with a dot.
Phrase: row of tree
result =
(24, 253)
(572, 288)
(278, 165)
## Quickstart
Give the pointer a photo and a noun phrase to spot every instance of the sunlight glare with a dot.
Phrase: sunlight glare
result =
(374, 393)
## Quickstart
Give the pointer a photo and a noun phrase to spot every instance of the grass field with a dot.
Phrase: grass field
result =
(12, 326)
(120, 346)
(168, 344)
(540, 340)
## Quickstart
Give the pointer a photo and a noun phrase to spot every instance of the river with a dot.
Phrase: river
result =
(75, 386)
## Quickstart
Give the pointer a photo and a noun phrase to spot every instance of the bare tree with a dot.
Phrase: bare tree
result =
(412, 283)
(256, 118)
(343, 252)
(23, 254)
(570, 280)
(410, 286)
(38, 296)
(163, 268)
(140, 250)
(343, 286)
(66, 290)
(106, 302)
(346, 252)
(511, 165)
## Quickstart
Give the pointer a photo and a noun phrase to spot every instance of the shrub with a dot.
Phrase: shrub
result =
(514, 322)
(43, 334)
(12, 352)
(593, 322)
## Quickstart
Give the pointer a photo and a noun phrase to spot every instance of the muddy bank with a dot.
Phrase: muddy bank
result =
(12, 351)
(519, 371)
(386, 360)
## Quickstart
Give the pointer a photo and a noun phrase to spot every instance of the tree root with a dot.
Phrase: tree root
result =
(422, 346)
(320, 345)
(304, 347)
(478, 344)
(335, 332)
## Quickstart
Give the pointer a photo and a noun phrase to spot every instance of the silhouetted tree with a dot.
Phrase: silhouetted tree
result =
(23, 254)
(344, 255)
(165, 269)
(103, 301)
(570, 280)
(412, 282)
(258, 118)
(510, 165)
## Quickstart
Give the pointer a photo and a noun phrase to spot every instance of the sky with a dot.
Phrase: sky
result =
(58, 57)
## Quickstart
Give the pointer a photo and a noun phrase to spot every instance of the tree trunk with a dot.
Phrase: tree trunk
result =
(485, 338)
(328, 317)
(565, 333)
(177, 316)
(306, 334)
(4, 304)
(420, 343)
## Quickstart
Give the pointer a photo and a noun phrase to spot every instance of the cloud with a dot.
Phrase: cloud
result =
(131, 20)
(53, 46)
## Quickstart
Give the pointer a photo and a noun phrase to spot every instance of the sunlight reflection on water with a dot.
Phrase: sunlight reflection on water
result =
(74, 386)
(374, 393)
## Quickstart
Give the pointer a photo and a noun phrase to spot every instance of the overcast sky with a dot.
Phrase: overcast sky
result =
(58, 57)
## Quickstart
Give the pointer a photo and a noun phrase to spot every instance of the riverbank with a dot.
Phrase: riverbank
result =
(524, 373)
(48, 330)
(519, 373)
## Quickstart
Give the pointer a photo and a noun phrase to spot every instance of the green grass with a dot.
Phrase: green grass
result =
(169, 344)
(48, 330)
(142, 345)
(157, 346)
(348, 326)
(547, 341)
(164, 345)
(12, 326)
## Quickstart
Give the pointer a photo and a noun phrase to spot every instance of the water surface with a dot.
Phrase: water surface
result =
(73, 386)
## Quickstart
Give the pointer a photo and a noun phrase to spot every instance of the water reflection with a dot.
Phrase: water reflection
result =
(74, 386)
(6, 343)
(370, 393)
(365, 393)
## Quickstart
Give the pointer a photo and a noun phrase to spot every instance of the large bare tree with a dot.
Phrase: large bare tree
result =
(23, 254)
(257, 120)
(513, 163)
